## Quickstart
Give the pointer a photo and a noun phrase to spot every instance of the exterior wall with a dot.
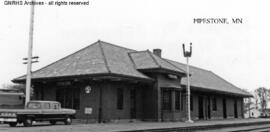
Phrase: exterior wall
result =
(230, 108)
(216, 114)
(90, 100)
(109, 99)
(45, 92)
(195, 111)
(110, 102)
(148, 100)
(240, 105)
(154, 110)
(174, 115)
(163, 82)
(50, 93)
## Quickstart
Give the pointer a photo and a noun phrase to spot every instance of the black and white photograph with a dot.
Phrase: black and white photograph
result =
(134, 66)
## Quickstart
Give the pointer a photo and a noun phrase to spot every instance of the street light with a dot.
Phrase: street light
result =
(187, 54)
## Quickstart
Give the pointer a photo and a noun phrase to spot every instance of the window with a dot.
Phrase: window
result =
(69, 97)
(191, 102)
(76, 99)
(46, 106)
(56, 106)
(177, 100)
(120, 98)
(166, 99)
(214, 104)
(34, 105)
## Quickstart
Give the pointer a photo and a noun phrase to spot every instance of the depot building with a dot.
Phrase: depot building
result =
(106, 82)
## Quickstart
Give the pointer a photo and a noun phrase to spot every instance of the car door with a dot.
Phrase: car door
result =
(47, 112)
(56, 111)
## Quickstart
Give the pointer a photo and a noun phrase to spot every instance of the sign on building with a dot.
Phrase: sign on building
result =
(88, 110)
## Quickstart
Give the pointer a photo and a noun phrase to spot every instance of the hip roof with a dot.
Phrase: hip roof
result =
(102, 58)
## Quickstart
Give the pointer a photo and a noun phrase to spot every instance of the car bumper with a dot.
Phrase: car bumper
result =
(8, 120)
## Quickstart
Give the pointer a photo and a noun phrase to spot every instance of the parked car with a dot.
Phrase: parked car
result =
(37, 111)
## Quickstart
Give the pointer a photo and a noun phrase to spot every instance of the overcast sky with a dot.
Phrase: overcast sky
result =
(237, 52)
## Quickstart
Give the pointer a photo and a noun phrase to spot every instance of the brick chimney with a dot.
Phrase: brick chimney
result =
(157, 52)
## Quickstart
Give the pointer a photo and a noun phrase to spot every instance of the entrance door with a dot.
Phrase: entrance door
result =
(133, 103)
(235, 109)
(208, 108)
(200, 100)
(224, 108)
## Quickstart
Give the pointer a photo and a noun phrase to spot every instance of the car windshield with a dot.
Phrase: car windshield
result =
(34, 105)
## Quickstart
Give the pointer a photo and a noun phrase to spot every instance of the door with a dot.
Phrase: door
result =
(224, 108)
(235, 109)
(208, 108)
(200, 106)
(133, 103)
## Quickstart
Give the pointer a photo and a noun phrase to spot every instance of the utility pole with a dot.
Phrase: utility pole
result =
(29, 60)
(187, 54)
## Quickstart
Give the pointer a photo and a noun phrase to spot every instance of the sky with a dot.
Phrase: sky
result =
(239, 53)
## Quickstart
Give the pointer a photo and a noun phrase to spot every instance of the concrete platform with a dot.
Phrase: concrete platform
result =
(138, 126)
(201, 125)
(181, 126)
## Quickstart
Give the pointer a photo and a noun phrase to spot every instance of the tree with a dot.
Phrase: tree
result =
(262, 95)
(256, 100)
(248, 105)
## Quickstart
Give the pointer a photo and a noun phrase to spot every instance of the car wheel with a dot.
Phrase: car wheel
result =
(28, 122)
(68, 121)
(52, 122)
(12, 124)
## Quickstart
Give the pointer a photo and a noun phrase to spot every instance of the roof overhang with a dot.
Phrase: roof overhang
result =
(110, 76)
(163, 70)
(208, 90)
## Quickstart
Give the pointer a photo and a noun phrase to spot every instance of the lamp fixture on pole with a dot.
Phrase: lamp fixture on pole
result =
(187, 54)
